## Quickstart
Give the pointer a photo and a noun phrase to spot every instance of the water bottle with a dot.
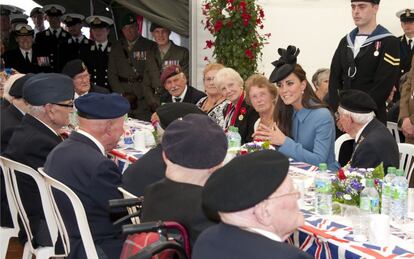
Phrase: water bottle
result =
(233, 140)
(323, 191)
(399, 191)
(369, 198)
(386, 191)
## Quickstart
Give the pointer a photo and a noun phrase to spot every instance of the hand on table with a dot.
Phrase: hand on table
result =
(272, 134)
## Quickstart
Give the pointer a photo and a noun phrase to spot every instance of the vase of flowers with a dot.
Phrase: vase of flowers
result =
(234, 25)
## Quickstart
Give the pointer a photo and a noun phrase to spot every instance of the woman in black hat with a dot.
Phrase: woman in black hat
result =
(304, 128)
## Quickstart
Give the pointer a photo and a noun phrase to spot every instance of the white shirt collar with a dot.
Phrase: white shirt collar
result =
(360, 131)
(47, 126)
(181, 96)
(20, 110)
(24, 53)
(104, 44)
(266, 233)
(80, 38)
(76, 96)
(58, 30)
(89, 136)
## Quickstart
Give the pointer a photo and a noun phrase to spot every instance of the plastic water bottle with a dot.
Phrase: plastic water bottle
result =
(323, 191)
(369, 198)
(233, 140)
(399, 191)
(386, 190)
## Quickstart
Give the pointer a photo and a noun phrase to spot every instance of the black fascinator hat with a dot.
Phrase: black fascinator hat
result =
(285, 64)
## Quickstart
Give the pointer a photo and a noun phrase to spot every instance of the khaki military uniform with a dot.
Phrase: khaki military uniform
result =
(126, 71)
(407, 100)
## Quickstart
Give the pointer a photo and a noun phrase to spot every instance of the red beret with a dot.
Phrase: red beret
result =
(169, 71)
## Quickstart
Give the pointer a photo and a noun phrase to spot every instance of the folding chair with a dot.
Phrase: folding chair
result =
(393, 128)
(339, 142)
(406, 158)
(134, 209)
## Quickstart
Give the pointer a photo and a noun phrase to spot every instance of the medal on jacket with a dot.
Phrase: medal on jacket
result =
(377, 47)
(241, 117)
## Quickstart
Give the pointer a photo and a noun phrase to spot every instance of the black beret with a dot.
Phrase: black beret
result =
(285, 64)
(195, 141)
(74, 67)
(155, 26)
(127, 19)
(36, 11)
(356, 101)
(245, 181)
(44, 88)
(16, 89)
(169, 71)
(169, 112)
(370, 1)
(406, 15)
(102, 106)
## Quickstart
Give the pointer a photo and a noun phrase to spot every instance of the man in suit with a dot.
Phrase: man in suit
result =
(175, 83)
(50, 41)
(96, 53)
(177, 197)
(50, 98)
(406, 17)
(127, 64)
(27, 57)
(257, 204)
(71, 47)
(78, 71)
(90, 173)
(374, 143)
(151, 166)
(166, 53)
(367, 58)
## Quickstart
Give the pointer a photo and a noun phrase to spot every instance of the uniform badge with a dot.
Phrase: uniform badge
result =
(241, 117)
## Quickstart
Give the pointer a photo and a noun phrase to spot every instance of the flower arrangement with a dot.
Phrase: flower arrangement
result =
(234, 25)
(254, 146)
(349, 183)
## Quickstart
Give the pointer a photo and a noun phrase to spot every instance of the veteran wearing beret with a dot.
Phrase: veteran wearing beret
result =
(176, 88)
(257, 204)
(88, 171)
(50, 41)
(166, 53)
(367, 59)
(406, 17)
(193, 148)
(50, 99)
(373, 141)
(78, 71)
(151, 166)
(127, 64)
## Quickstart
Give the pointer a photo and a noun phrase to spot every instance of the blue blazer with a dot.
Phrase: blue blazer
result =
(313, 138)
(78, 163)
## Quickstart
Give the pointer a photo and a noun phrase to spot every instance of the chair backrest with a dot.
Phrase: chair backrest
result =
(338, 143)
(11, 200)
(393, 128)
(14, 168)
(79, 210)
(406, 157)
(132, 209)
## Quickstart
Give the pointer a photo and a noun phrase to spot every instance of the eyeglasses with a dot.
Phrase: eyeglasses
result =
(209, 79)
(295, 193)
(68, 105)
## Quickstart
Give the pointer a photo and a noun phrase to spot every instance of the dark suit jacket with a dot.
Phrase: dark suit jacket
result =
(15, 59)
(191, 96)
(10, 117)
(375, 145)
(30, 144)
(227, 242)
(99, 89)
(79, 164)
(149, 169)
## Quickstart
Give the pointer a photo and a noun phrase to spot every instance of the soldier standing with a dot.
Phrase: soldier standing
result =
(127, 65)
(407, 40)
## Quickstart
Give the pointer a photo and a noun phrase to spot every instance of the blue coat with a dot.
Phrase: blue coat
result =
(78, 163)
(313, 138)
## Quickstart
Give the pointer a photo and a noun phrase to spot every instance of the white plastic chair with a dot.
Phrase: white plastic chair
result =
(79, 210)
(406, 158)
(132, 209)
(339, 142)
(8, 232)
(393, 128)
(12, 169)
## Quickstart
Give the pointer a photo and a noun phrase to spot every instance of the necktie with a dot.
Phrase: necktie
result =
(27, 57)
(55, 33)
(177, 99)
(100, 47)
(410, 44)
(77, 41)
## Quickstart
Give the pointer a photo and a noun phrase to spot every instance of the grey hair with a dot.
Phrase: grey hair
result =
(36, 110)
(316, 78)
(359, 118)
(227, 73)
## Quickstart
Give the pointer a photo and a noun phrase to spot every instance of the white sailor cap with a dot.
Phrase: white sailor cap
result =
(406, 15)
(54, 10)
(23, 30)
(9, 9)
(19, 18)
(71, 19)
(97, 21)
